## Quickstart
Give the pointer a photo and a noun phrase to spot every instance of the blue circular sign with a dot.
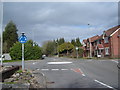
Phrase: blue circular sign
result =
(23, 39)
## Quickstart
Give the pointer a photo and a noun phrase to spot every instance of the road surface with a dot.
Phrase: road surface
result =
(72, 73)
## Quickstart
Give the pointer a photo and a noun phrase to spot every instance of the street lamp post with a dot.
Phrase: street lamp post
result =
(77, 51)
(1, 23)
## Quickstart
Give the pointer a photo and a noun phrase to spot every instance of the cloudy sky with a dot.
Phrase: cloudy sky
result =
(42, 21)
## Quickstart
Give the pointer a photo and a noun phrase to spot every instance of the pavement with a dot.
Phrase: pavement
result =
(72, 73)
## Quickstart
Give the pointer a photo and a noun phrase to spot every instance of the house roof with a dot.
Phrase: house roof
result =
(110, 31)
(92, 39)
(100, 37)
(85, 40)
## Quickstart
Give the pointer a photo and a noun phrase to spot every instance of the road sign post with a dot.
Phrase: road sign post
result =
(23, 40)
(23, 64)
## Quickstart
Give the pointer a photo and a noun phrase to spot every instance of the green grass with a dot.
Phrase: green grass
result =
(19, 71)
(9, 83)
(12, 60)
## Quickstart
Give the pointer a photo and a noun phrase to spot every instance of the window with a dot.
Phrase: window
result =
(106, 39)
(98, 42)
(107, 51)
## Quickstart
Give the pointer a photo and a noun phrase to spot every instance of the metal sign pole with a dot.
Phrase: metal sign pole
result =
(23, 65)
(23, 40)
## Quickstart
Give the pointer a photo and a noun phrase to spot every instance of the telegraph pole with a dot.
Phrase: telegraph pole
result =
(1, 25)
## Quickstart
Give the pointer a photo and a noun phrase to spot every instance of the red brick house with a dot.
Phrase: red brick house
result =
(106, 45)
(89, 46)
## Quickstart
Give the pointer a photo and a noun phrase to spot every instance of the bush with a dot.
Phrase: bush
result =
(30, 52)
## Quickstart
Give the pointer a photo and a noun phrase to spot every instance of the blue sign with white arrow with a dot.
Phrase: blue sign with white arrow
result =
(23, 39)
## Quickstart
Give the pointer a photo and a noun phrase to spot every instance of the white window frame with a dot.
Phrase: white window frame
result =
(106, 40)
(107, 51)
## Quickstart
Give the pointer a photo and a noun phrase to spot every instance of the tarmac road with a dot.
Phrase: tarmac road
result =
(71, 73)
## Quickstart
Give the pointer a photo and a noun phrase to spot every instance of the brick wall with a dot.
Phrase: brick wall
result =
(115, 45)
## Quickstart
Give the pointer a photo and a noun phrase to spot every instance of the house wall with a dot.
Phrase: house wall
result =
(119, 44)
(106, 45)
(115, 45)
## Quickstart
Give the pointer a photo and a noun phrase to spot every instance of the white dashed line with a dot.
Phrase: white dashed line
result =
(33, 63)
(54, 69)
(103, 84)
(44, 69)
(115, 61)
(64, 69)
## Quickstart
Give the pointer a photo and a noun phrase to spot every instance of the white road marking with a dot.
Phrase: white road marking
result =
(33, 63)
(59, 62)
(64, 69)
(103, 60)
(38, 69)
(115, 61)
(54, 69)
(43, 74)
(44, 69)
(82, 72)
(83, 75)
(103, 84)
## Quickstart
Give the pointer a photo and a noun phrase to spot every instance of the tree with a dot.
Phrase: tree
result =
(73, 42)
(80, 52)
(65, 47)
(31, 52)
(10, 36)
(60, 41)
(49, 48)
(78, 43)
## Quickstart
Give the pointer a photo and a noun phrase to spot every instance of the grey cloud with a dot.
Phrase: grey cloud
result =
(53, 20)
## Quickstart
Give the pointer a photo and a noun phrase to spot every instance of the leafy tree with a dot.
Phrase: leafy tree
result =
(10, 36)
(31, 52)
(65, 47)
(78, 43)
(80, 52)
(61, 41)
(73, 42)
(49, 48)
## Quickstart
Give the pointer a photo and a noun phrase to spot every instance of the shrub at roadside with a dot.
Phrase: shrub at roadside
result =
(31, 51)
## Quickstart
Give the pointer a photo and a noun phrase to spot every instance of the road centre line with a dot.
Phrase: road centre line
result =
(33, 63)
(103, 84)
(54, 69)
(44, 69)
(64, 69)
